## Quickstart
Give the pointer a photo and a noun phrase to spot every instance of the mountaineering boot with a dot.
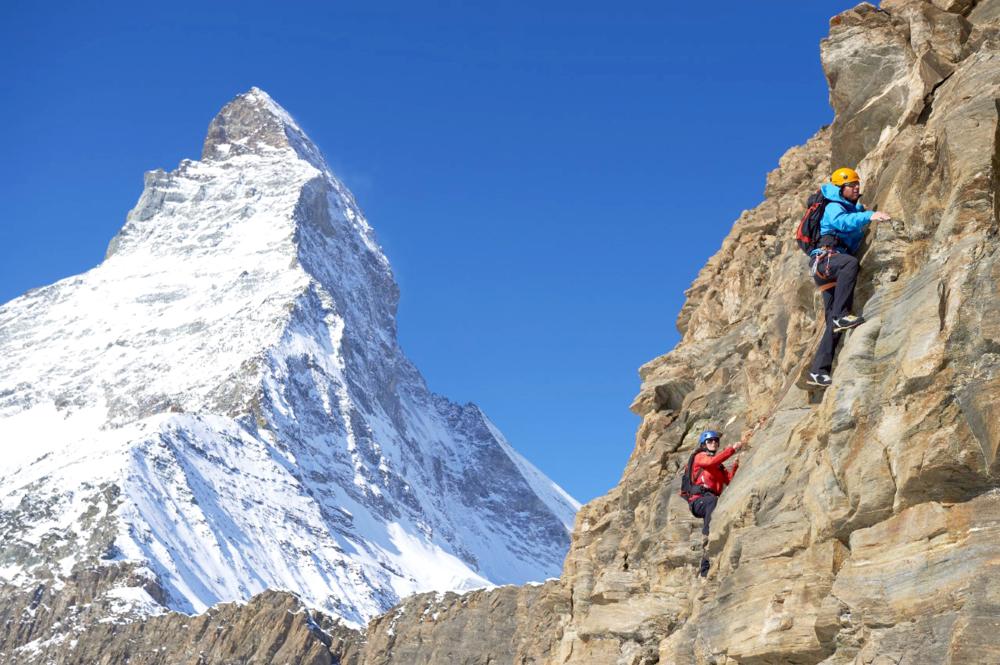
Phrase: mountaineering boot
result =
(821, 380)
(847, 322)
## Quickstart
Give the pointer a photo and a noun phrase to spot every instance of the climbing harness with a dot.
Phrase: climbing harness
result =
(822, 272)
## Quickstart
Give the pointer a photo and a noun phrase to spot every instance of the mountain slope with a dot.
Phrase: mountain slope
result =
(222, 407)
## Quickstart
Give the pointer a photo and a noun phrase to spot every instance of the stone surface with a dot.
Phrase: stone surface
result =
(504, 626)
(862, 526)
(271, 629)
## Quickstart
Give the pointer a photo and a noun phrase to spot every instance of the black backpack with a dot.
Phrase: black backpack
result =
(808, 231)
(688, 487)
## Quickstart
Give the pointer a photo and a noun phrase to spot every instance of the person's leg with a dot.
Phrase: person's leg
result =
(708, 502)
(849, 304)
(843, 268)
(823, 360)
(837, 303)
(698, 507)
(703, 507)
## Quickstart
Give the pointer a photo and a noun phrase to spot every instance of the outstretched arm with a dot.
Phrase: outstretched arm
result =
(744, 440)
(847, 222)
(704, 460)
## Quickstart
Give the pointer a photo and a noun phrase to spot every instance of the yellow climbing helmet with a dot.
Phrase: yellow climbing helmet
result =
(843, 176)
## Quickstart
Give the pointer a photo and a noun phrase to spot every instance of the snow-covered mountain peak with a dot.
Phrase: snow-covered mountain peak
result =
(228, 387)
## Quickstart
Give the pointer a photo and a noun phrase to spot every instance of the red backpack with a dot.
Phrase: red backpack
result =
(808, 231)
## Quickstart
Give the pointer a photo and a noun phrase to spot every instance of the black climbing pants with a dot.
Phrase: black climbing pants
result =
(837, 302)
(703, 507)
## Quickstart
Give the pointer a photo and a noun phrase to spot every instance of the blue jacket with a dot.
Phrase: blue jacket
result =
(843, 219)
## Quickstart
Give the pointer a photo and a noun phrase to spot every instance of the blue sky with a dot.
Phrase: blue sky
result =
(546, 178)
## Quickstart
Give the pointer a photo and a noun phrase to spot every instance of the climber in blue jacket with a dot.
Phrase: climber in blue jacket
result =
(834, 267)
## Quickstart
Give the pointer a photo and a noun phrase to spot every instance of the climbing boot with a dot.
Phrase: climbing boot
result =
(821, 380)
(847, 322)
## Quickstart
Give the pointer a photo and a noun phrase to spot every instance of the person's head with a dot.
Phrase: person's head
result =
(709, 441)
(849, 183)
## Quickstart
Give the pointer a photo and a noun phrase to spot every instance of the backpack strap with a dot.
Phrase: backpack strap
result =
(833, 239)
(687, 476)
(694, 481)
(701, 472)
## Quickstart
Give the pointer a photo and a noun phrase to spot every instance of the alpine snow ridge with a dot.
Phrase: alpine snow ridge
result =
(222, 407)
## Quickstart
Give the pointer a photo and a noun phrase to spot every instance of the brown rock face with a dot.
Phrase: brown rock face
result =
(242, 126)
(504, 626)
(272, 628)
(864, 524)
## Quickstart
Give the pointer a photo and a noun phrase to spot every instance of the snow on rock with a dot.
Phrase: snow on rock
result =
(223, 403)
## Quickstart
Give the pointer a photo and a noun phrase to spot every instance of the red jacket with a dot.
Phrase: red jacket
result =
(709, 470)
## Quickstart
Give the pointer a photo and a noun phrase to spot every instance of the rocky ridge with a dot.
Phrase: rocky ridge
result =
(864, 524)
(221, 408)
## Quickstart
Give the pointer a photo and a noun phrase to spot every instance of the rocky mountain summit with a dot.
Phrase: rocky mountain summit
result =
(222, 408)
(864, 524)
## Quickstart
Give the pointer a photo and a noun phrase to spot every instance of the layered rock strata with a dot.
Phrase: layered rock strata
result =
(864, 524)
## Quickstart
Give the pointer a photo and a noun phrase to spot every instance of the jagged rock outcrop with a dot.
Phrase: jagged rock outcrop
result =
(501, 626)
(864, 524)
(272, 628)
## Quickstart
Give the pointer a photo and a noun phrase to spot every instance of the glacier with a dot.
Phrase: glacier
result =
(222, 407)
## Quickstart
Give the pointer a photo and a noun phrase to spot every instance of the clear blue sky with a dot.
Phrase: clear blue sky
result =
(546, 178)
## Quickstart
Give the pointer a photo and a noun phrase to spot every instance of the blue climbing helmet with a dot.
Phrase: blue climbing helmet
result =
(708, 434)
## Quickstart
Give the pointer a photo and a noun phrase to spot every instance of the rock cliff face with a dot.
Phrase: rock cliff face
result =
(864, 524)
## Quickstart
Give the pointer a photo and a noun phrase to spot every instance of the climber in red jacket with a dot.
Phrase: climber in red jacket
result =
(709, 476)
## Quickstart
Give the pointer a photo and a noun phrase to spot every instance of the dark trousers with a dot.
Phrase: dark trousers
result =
(837, 302)
(703, 507)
